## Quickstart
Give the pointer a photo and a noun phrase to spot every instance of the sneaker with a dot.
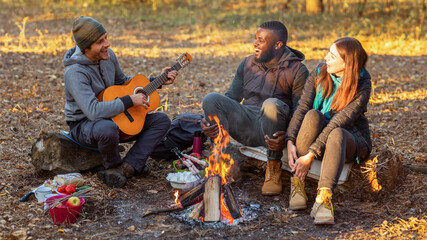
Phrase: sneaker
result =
(297, 198)
(323, 211)
(273, 181)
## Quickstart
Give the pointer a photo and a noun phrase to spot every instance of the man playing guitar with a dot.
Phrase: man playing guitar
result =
(90, 68)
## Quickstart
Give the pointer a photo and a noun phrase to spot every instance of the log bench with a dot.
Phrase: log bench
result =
(55, 153)
(376, 177)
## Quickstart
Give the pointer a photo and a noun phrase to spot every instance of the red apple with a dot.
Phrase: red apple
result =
(73, 202)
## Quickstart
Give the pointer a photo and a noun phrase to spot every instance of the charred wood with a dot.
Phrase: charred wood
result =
(231, 202)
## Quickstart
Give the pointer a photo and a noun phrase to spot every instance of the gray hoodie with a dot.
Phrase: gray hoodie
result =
(84, 79)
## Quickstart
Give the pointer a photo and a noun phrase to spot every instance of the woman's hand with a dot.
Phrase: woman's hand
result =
(277, 142)
(171, 75)
(209, 130)
(292, 153)
(302, 165)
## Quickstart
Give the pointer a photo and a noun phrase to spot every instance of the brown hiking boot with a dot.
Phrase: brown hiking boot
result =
(127, 170)
(116, 177)
(273, 181)
(113, 177)
(323, 211)
(146, 170)
(297, 198)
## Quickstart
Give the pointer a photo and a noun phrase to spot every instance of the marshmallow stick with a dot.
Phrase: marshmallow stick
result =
(200, 162)
(191, 166)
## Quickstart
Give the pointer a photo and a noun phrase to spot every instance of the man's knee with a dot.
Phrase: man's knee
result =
(163, 120)
(210, 101)
(272, 107)
(106, 130)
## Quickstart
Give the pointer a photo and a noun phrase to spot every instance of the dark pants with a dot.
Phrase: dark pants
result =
(340, 147)
(248, 124)
(104, 135)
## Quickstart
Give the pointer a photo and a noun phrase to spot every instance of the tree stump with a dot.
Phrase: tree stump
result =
(55, 153)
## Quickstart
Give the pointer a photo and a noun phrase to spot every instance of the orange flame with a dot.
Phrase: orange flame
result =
(217, 160)
(176, 197)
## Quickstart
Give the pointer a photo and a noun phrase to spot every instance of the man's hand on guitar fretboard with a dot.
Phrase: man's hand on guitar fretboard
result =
(171, 75)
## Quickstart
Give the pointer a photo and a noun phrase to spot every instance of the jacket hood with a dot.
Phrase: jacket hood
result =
(291, 54)
(75, 56)
(288, 55)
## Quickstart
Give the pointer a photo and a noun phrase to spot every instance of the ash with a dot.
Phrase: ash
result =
(250, 211)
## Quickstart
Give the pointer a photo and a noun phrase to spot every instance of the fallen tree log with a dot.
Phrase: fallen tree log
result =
(55, 153)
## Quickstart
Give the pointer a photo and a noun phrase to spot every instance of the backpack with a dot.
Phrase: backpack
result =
(180, 134)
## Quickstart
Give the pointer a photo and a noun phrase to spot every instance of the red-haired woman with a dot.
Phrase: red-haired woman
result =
(329, 124)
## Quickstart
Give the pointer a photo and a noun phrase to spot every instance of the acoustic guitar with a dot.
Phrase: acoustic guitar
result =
(132, 120)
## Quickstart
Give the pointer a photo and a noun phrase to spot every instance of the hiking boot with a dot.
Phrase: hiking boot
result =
(323, 211)
(273, 181)
(297, 198)
(127, 170)
(116, 177)
(146, 170)
(113, 177)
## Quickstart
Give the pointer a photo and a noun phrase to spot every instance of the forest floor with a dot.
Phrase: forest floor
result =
(32, 102)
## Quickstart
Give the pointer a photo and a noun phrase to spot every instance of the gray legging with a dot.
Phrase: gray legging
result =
(340, 147)
(248, 124)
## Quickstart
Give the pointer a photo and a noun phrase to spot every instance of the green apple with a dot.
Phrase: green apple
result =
(73, 202)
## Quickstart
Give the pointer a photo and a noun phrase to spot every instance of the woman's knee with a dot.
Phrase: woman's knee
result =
(314, 115)
(336, 138)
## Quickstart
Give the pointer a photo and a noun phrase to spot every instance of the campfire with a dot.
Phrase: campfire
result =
(213, 194)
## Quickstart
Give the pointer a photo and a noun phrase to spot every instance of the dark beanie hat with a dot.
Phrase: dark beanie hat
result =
(86, 31)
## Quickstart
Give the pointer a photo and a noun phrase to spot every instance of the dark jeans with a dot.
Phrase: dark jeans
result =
(340, 147)
(104, 135)
(248, 124)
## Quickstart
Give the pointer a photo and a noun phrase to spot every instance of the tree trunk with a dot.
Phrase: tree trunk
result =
(55, 153)
(313, 6)
(262, 4)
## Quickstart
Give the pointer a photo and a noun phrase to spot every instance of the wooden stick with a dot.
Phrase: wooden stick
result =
(161, 210)
(195, 214)
(212, 198)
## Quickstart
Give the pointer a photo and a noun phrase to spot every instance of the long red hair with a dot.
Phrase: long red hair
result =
(355, 58)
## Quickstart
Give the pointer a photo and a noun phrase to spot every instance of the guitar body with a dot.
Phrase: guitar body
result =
(132, 120)
(130, 126)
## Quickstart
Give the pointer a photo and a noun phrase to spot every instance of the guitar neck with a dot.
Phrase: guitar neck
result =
(154, 85)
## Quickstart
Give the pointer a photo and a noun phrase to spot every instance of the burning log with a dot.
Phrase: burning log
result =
(195, 214)
(212, 199)
(231, 202)
(193, 195)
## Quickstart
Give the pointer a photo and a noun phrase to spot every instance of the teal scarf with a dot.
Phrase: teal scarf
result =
(324, 104)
